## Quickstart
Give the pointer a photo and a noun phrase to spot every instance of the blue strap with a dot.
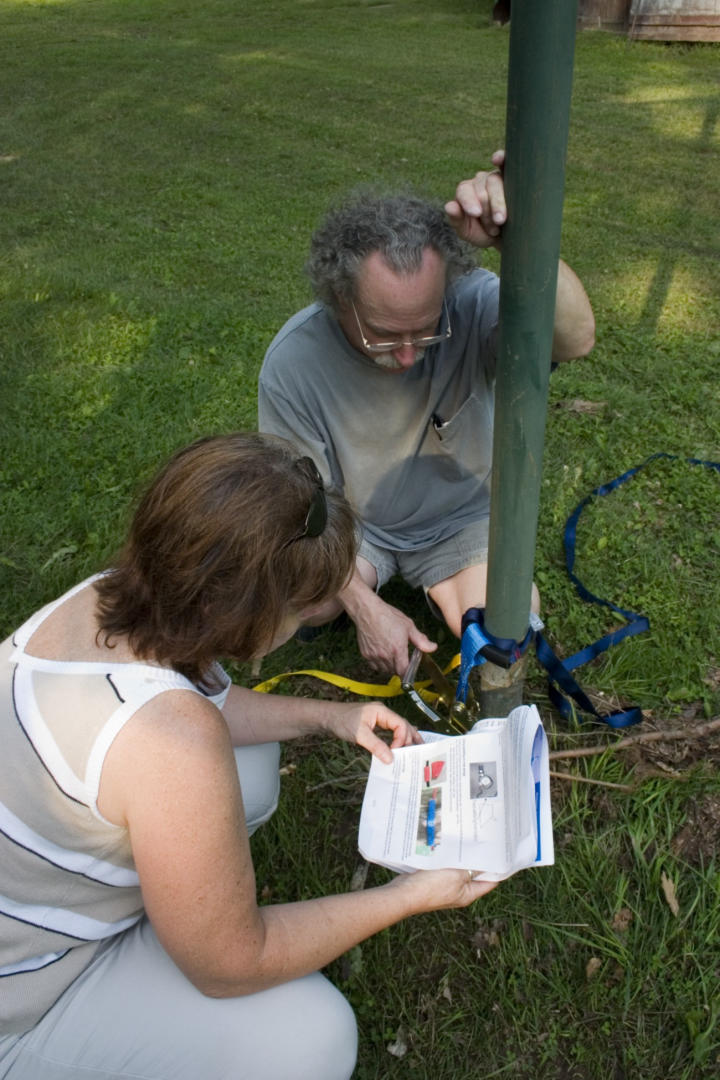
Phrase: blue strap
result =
(561, 683)
(559, 678)
(606, 489)
(478, 645)
(471, 644)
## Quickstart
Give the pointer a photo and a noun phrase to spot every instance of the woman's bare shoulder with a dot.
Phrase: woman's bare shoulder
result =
(179, 733)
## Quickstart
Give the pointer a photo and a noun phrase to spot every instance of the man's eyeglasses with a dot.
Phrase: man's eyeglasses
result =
(316, 517)
(416, 342)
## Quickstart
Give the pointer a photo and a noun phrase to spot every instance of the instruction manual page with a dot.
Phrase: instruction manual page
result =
(479, 801)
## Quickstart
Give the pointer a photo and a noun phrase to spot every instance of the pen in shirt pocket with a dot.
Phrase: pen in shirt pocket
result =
(438, 423)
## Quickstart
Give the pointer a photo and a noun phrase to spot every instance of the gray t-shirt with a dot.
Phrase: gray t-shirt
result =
(411, 450)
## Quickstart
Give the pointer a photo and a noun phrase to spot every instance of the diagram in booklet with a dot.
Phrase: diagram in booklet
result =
(483, 779)
(429, 821)
(433, 771)
(430, 812)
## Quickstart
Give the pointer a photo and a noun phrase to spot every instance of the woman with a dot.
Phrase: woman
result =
(133, 773)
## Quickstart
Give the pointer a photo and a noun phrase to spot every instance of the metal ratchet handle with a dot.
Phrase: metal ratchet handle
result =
(408, 679)
(408, 685)
(447, 695)
(426, 708)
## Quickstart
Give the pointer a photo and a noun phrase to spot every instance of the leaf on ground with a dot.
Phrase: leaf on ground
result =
(399, 1048)
(359, 877)
(621, 920)
(668, 888)
(592, 967)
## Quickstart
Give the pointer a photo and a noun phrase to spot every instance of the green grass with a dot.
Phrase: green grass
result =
(162, 165)
(582, 971)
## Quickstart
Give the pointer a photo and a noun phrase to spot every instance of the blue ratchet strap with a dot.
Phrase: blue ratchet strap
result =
(477, 645)
(560, 681)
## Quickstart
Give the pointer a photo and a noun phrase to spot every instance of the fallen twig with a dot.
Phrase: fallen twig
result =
(698, 732)
(629, 788)
(348, 778)
(359, 877)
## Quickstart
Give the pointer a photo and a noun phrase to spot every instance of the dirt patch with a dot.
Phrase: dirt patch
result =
(684, 748)
(686, 743)
(698, 840)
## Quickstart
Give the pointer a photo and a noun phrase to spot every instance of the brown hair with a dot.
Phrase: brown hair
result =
(216, 557)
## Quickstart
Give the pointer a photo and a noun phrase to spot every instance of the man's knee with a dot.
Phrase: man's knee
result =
(330, 610)
(454, 595)
(334, 1042)
(464, 590)
(367, 572)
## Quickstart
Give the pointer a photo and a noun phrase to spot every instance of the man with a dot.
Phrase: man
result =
(387, 382)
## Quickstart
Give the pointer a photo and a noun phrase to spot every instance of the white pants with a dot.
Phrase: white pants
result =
(132, 1014)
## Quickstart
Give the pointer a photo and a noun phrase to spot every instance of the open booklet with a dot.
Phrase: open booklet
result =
(479, 801)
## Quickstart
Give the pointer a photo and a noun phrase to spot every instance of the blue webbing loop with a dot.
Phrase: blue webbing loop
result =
(561, 682)
(478, 645)
(559, 670)
(606, 489)
(471, 643)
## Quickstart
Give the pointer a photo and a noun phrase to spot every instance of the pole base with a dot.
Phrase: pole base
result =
(501, 689)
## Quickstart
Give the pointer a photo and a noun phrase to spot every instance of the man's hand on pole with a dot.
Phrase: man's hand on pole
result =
(478, 211)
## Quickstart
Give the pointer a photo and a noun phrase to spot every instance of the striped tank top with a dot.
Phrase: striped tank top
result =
(68, 884)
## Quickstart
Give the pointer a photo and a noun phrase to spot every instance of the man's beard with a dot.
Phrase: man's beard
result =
(389, 363)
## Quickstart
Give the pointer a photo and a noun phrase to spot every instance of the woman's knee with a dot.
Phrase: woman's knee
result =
(259, 773)
(304, 1029)
(139, 1015)
(329, 1041)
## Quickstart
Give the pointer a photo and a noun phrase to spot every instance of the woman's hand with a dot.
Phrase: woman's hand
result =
(432, 890)
(357, 723)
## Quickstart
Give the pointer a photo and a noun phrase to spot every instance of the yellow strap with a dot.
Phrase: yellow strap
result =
(392, 688)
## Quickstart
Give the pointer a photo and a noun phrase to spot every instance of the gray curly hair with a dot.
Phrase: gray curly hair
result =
(399, 226)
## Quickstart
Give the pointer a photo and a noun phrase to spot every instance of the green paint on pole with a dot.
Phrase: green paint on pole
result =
(542, 43)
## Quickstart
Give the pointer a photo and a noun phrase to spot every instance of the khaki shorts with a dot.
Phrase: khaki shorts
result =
(427, 566)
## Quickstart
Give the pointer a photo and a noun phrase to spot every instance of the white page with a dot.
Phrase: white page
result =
(463, 801)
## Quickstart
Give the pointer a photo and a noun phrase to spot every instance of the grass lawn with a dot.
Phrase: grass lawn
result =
(162, 165)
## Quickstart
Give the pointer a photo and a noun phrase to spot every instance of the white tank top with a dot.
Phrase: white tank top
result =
(67, 878)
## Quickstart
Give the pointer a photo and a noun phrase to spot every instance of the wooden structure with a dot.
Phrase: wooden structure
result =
(655, 20)
(604, 15)
(675, 20)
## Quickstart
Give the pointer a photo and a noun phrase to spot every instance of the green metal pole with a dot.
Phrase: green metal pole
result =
(542, 41)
